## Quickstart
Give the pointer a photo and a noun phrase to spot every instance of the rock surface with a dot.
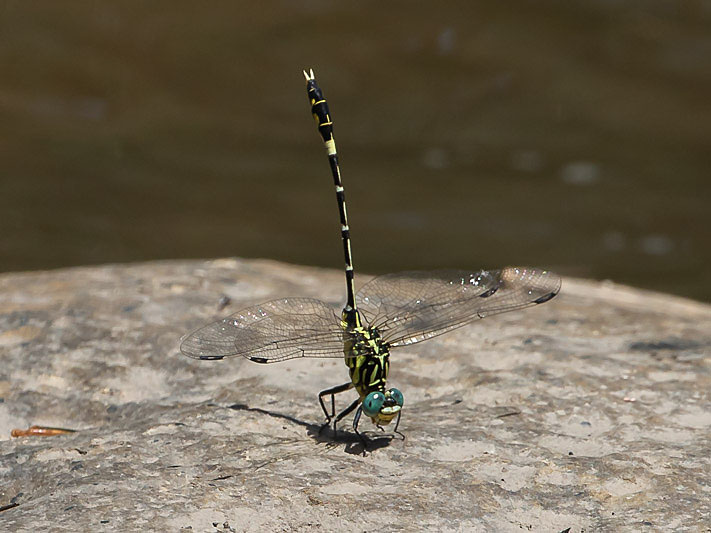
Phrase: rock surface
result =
(591, 412)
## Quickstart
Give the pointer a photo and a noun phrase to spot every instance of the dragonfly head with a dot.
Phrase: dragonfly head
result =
(382, 407)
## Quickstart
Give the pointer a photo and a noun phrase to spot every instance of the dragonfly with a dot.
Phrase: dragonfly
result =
(390, 311)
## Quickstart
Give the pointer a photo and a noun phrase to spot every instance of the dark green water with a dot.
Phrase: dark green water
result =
(569, 135)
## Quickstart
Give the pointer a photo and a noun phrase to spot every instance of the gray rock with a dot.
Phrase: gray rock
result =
(591, 412)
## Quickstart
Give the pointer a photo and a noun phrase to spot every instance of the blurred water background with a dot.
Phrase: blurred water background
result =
(572, 135)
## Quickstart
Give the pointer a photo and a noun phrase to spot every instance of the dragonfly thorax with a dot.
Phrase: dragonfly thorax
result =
(367, 357)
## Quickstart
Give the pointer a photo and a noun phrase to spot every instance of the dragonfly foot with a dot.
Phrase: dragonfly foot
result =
(364, 442)
(326, 425)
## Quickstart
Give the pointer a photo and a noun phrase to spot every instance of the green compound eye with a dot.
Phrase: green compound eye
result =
(372, 403)
(397, 396)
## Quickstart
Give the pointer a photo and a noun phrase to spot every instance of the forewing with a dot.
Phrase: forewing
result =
(410, 307)
(270, 332)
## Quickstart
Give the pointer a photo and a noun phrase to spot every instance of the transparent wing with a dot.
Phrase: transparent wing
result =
(270, 332)
(410, 307)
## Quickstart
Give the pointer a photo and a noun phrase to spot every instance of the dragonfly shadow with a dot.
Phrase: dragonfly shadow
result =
(322, 435)
(243, 407)
(354, 444)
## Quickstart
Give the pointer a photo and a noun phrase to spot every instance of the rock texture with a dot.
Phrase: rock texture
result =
(591, 412)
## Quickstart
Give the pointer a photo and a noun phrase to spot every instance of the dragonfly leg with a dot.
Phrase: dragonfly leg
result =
(397, 423)
(356, 419)
(332, 415)
(348, 410)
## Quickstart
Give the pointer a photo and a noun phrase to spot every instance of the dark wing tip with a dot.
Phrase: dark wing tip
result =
(555, 282)
(544, 282)
(543, 299)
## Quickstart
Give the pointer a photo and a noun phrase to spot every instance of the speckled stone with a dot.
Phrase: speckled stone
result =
(591, 412)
